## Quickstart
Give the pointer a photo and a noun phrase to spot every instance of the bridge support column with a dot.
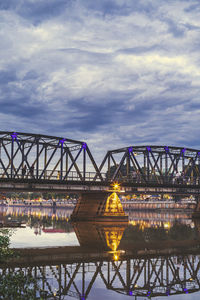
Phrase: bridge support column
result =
(196, 213)
(99, 207)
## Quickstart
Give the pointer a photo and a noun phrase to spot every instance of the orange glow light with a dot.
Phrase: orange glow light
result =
(116, 186)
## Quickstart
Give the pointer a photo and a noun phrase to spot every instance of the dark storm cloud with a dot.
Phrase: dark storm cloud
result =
(7, 76)
(94, 115)
(139, 50)
(15, 95)
(30, 75)
(41, 10)
(22, 108)
(37, 11)
(90, 116)
(120, 7)
(194, 6)
(177, 30)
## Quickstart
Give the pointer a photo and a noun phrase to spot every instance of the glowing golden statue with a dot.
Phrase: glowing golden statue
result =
(114, 206)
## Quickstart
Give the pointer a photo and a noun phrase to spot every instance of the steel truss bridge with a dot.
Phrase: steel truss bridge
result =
(41, 162)
(135, 276)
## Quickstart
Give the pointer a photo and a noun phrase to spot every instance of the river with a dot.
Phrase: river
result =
(155, 255)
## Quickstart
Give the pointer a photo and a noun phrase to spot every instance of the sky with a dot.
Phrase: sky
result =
(112, 73)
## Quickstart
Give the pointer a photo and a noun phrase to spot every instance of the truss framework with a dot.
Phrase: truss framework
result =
(147, 164)
(33, 157)
(41, 157)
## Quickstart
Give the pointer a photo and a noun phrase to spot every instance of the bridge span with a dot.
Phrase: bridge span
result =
(41, 162)
(32, 162)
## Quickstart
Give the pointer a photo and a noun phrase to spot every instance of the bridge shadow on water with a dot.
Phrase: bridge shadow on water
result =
(116, 260)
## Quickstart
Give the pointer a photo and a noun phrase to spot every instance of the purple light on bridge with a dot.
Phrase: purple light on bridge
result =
(198, 153)
(14, 136)
(166, 149)
(149, 293)
(130, 149)
(186, 291)
(183, 150)
(84, 146)
(61, 142)
(130, 293)
(148, 148)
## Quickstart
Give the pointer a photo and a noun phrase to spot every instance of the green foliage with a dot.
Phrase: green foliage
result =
(44, 195)
(123, 171)
(17, 286)
(5, 251)
(35, 195)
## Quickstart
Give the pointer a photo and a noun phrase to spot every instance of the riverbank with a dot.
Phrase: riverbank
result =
(128, 205)
(40, 205)
(159, 206)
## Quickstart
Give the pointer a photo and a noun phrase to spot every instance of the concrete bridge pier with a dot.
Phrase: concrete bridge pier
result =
(99, 207)
(196, 213)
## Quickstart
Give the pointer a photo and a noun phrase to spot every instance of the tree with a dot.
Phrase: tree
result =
(16, 285)
(5, 251)
(123, 171)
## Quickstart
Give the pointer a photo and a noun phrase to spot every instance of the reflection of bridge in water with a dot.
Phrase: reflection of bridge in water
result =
(136, 267)
(139, 276)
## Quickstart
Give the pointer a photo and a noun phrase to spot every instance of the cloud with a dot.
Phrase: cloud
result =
(112, 73)
(36, 11)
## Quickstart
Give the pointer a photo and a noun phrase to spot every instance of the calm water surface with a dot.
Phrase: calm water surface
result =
(156, 255)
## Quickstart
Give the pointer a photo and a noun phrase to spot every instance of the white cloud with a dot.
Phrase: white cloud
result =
(112, 77)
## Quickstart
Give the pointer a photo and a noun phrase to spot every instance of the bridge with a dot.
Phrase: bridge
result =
(32, 162)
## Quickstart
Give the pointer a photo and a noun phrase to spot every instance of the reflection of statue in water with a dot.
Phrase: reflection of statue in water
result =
(102, 236)
(113, 236)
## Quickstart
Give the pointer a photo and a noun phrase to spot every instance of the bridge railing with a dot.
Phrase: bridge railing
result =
(56, 175)
(51, 175)
(172, 180)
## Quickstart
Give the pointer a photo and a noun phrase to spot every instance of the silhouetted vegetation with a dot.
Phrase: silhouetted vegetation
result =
(14, 285)
(178, 231)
